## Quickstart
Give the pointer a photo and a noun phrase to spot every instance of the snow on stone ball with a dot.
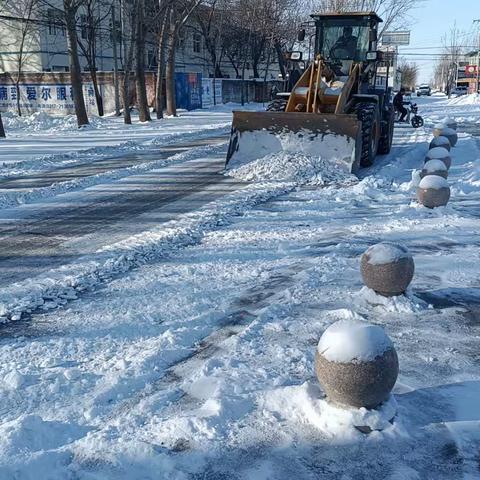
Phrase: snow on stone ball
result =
(434, 167)
(440, 142)
(450, 123)
(446, 132)
(433, 191)
(356, 364)
(387, 268)
(439, 153)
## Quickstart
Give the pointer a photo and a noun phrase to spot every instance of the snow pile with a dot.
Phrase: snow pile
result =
(251, 146)
(351, 340)
(285, 166)
(434, 182)
(471, 99)
(43, 122)
(406, 303)
(383, 253)
(302, 405)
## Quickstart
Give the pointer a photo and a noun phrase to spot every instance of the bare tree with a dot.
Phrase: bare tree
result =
(70, 11)
(178, 14)
(140, 37)
(393, 12)
(93, 14)
(409, 73)
(25, 32)
(129, 34)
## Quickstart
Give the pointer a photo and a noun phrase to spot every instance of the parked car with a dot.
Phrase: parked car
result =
(461, 90)
(424, 89)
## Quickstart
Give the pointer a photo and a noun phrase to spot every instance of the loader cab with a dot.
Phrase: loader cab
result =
(344, 39)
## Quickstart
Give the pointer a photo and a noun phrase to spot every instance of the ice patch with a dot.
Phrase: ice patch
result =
(351, 340)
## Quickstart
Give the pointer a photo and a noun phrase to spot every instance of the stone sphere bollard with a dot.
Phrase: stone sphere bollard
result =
(387, 268)
(440, 142)
(439, 153)
(356, 364)
(442, 131)
(434, 167)
(450, 123)
(433, 191)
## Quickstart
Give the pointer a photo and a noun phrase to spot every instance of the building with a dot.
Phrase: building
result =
(45, 44)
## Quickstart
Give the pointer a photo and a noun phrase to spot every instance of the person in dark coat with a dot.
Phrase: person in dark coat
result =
(398, 104)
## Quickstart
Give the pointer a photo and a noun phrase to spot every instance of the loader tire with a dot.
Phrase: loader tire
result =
(277, 105)
(367, 113)
(386, 141)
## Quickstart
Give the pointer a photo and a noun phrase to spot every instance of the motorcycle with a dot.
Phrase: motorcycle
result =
(412, 116)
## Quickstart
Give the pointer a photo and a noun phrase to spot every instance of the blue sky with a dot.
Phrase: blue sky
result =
(430, 22)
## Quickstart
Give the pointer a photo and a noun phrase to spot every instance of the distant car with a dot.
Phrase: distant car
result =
(461, 90)
(424, 90)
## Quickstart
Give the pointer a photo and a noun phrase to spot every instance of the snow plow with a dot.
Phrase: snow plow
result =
(339, 109)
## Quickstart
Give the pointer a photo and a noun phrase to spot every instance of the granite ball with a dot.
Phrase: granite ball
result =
(356, 364)
(387, 268)
(433, 191)
(442, 131)
(450, 123)
(434, 167)
(440, 142)
(439, 153)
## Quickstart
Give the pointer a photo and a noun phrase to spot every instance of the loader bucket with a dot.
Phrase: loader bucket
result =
(333, 137)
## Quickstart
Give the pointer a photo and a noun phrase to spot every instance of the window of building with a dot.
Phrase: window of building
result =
(197, 43)
(83, 26)
(151, 59)
(55, 22)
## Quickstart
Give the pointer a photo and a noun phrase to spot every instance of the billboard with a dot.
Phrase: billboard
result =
(45, 97)
(471, 70)
(396, 38)
(188, 90)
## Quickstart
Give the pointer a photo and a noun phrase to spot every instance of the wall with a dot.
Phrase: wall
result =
(51, 91)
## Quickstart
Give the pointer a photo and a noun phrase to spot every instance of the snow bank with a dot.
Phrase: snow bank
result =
(13, 198)
(350, 340)
(293, 167)
(383, 253)
(434, 182)
(43, 122)
(471, 99)
(51, 161)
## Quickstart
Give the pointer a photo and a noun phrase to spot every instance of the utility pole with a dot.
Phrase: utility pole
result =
(115, 63)
(478, 57)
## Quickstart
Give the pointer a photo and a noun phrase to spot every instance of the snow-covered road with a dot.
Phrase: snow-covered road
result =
(199, 363)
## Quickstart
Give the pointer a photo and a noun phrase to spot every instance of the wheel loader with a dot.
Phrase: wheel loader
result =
(338, 110)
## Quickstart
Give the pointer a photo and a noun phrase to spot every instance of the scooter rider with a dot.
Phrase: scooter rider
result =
(399, 104)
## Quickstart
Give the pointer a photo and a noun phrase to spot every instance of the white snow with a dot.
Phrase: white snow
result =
(441, 140)
(437, 152)
(352, 341)
(383, 253)
(434, 166)
(336, 149)
(195, 358)
(292, 167)
(435, 182)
